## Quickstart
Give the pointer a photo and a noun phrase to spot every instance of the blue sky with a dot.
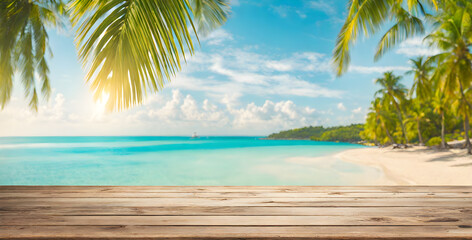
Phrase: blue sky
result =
(267, 69)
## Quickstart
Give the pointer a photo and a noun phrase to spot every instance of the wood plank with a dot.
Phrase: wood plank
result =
(90, 210)
(93, 194)
(307, 202)
(203, 212)
(208, 232)
(40, 220)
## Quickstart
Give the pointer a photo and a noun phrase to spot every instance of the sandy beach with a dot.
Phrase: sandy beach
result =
(415, 165)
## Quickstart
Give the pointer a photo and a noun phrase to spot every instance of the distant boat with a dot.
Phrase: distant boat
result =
(194, 135)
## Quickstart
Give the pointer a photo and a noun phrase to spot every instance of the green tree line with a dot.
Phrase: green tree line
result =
(319, 133)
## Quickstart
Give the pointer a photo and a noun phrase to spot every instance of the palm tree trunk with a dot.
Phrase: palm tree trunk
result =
(420, 138)
(388, 133)
(400, 118)
(466, 130)
(376, 142)
(466, 120)
(443, 131)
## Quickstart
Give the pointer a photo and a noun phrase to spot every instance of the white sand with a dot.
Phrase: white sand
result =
(416, 165)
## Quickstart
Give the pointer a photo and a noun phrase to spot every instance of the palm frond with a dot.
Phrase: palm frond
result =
(209, 14)
(23, 46)
(132, 47)
(364, 16)
(407, 26)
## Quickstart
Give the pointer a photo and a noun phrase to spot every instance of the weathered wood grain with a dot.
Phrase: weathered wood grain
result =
(261, 194)
(235, 232)
(300, 202)
(408, 220)
(91, 210)
(237, 212)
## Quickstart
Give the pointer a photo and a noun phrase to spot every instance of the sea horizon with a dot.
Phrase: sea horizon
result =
(176, 160)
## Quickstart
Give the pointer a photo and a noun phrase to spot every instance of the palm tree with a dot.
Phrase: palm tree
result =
(23, 46)
(380, 116)
(129, 47)
(393, 92)
(421, 88)
(417, 115)
(421, 71)
(453, 36)
(462, 108)
(371, 128)
(439, 103)
(368, 16)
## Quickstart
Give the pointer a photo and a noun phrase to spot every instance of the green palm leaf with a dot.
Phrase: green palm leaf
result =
(364, 16)
(130, 47)
(406, 27)
(23, 46)
(367, 17)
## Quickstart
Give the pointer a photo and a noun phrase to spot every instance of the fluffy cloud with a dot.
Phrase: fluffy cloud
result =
(51, 111)
(239, 72)
(357, 110)
(414, 47)
(341, 106)
(218, 37)
(251, 117)
(376, 70)
(324, 6)
(282, 11)
(161, 115)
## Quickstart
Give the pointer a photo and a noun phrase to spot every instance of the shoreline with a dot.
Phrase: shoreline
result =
(414, 166)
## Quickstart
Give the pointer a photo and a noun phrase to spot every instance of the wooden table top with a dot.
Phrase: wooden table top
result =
(238, 212)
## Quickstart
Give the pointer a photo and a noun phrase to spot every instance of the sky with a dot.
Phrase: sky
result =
(267, 69)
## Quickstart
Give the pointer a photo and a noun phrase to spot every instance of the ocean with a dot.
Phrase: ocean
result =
(176, 161)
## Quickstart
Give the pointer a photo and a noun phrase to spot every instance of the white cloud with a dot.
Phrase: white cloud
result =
(279, 65)
(170, 114)
(218, 37)
(301, 14)
(357, 110)
(51, 111)
(282, 11)
(270, 115)
(324, 6)
(239, 72)
(374, 69)
(416, 47)
(341, 106)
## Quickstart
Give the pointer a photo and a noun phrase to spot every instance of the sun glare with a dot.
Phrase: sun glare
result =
(100, 104)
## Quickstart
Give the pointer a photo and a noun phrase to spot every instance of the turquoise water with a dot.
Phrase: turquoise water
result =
(175, 161)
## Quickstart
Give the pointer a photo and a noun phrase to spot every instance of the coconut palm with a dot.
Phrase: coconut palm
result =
(439, 103)
(381, 117)
(393, 92)
(24, 44)
(368, 17)
(417, 115)
(462, 108)
(371, 128)
(453, 36)
(421, 71)
(129, 47)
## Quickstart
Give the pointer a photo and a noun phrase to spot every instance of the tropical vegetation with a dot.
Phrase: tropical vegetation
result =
(128, 47)
(439, 102)
(319, 133)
